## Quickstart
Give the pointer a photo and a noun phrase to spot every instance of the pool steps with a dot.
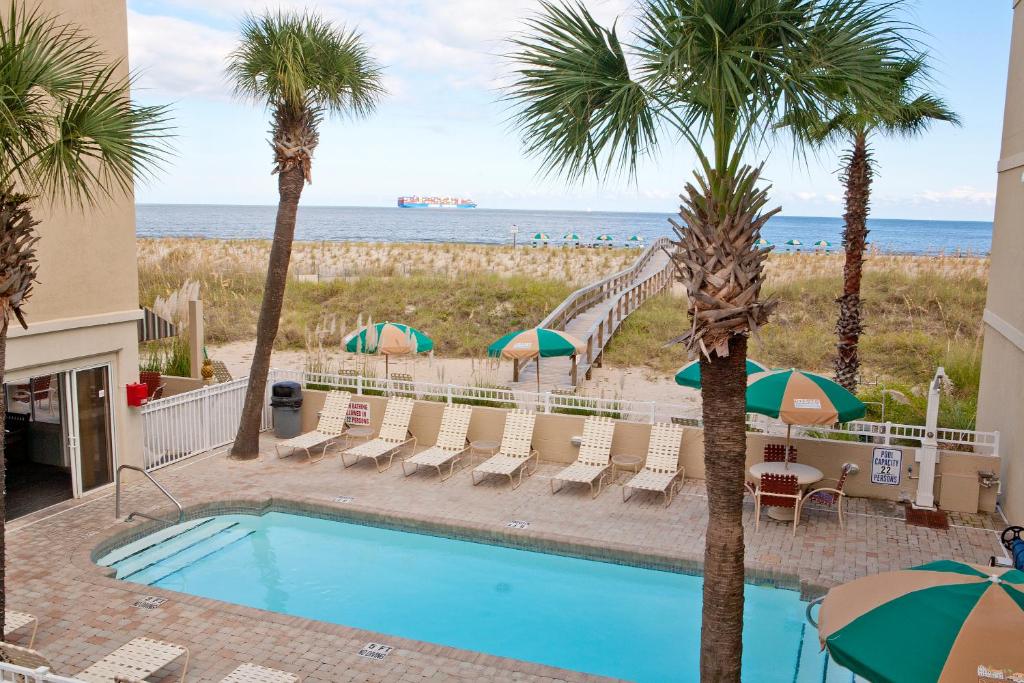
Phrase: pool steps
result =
(189, 556)
(174, 542)
(150, 540)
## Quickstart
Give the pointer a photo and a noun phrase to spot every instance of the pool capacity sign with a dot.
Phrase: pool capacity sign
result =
(886, 466)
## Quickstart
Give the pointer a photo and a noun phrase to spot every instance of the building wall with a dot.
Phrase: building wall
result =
(84, 306)
(1001, 398)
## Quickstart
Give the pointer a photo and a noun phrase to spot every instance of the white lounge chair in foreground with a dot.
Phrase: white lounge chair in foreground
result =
(594, 461)
(450, 445)
(251, 673)
(135, 660)
(393, 436)
(662, 472)
(516, 450)
(14, 621)
(329, 429)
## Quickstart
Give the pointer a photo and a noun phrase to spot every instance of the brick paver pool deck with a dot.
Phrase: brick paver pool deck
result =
(84, 614)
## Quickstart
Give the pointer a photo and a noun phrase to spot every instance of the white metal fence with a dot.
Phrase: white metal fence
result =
(180, 426)
(10, 673)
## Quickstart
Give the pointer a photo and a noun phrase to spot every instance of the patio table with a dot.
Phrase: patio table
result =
(805, 476)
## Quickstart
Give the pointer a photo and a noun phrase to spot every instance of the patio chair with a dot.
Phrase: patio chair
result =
(137, 659)
(515, 452)
(393, 436)
(252, 673)
(779, 491)
(594, 460)
(662, 472)
(450, 445)
(14, 621)
(329, 429)
(23, 656)
(830, 497)
(402, 384)
(776, 452)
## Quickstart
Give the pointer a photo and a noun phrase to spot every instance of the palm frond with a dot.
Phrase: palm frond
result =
(575, 103)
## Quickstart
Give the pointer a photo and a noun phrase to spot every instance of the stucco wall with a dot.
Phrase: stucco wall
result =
(552, 438)
(1001, 397)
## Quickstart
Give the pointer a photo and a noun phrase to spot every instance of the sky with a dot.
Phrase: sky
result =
(443, 129)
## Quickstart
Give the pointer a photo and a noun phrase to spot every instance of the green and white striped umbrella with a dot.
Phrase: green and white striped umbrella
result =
(689, 374)
(636, 238)
(571, 236)
(794, 243)
(541, 236)
(604, 237)
(388, 339)
(825, 244)
(941, 622)
(536, 342)
(801, 398)
(762, 242)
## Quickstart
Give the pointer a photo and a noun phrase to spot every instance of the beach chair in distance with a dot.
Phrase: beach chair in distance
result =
(450, 445)
(329, 429)
(662, 472)
(253, 673)
(136, 660)
(393, 436)
(402, 385)
(515, 452)
(594, 460)
(780, 491)
(14, 621)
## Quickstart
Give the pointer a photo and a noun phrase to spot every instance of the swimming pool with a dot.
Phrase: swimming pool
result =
(597, 617)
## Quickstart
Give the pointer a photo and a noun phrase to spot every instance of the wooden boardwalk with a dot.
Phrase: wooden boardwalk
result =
(593, 314)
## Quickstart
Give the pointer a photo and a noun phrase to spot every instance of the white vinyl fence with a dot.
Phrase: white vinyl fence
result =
(10, 673)
(180, 426)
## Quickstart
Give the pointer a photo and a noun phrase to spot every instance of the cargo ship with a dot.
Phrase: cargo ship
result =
(417, 202)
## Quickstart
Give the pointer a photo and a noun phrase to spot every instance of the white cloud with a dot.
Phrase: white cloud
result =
(178, 57)
(962, 194)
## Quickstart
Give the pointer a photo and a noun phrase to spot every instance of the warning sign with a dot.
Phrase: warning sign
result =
(887, 466)
(358, 414)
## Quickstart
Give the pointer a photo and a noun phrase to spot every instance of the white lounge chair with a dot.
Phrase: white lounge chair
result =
(662, 472)
(516, 450)
(594, 461)
(14, 621)
(252, 673)
(329, 429)
(393, 436)
(450, 445)
(137, 659)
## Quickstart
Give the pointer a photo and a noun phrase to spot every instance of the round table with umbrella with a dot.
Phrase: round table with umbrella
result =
(940, 622)
(388, 339)
(689, 374)
(536, 342)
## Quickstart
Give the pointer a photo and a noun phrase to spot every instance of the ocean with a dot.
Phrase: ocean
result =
(493, 226)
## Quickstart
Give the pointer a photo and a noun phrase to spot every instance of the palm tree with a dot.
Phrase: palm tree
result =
(70, 133)
(908, 112)
(721, 72)
(302, 68)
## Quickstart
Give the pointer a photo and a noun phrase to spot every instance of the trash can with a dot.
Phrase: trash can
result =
(286, 400)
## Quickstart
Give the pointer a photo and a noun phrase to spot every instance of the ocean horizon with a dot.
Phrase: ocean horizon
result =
(494, 226)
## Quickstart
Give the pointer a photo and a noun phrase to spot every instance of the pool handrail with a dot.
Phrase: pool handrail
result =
(132, 515)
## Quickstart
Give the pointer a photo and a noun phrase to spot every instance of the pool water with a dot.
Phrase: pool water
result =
(600, 618)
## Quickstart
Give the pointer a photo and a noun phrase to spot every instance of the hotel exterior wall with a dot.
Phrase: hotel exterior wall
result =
(1001, 396)
(84, 307)
(553, 433)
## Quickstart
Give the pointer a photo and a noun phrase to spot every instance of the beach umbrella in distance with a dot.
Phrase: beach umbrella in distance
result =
(762, 243)
(689, 374)
(794, 243)
(823, 244)
(541, 237)
(962, 622)
(571, 237)
(536, 342)
(604, 238)
(388, 339)
(801, 398)
(636, 238)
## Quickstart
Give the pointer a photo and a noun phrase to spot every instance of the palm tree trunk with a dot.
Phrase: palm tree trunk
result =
(3, 478)
(857, 176)
(289, 183)
(724, 382)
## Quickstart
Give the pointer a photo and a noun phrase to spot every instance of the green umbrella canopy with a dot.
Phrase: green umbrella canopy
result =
(575, 236)
(794, 243)
(941, 622)
(541, 236)
(389, 339)
(801, 398)
(762, 242)
(823, 243)
(604, 238)
(636, 238)
(689, 374)
(525, 344)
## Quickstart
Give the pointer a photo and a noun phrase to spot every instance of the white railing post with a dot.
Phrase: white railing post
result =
(448, 393)
(359, 384)
(547, 402)
(654, 412)
(887, 439)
